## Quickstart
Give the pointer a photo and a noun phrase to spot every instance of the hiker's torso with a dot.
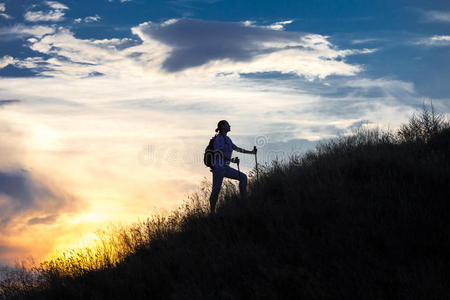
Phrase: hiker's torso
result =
(224, 143)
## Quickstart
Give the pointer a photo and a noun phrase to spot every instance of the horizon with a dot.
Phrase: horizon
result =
(106, 107)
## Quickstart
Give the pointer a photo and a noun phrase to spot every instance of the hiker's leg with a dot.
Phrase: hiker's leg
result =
(235, 174)
(216, 184)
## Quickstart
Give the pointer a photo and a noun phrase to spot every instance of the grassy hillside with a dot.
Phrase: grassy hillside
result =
(365, 216)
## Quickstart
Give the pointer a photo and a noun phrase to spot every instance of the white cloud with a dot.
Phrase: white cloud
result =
(6, 60)
(383, 87)
(55, 14)
(437, 16)
(2, 11)
(19, 31)
(95, 18)
(56, 5)
(275, 26)
(280, 25)
(436, 40)
(363, 41)
(6, 16)
(37, 16)
(89, 19)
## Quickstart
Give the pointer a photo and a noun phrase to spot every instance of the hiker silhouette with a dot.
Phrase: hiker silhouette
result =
(223, 149)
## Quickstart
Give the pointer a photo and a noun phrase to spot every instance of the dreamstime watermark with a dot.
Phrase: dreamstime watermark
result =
(261, 141)
(151, 155)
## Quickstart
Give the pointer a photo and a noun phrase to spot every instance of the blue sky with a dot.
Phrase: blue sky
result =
(398, 29)
(106, 106)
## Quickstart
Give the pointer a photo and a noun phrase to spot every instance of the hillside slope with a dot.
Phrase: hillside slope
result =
(365, 216)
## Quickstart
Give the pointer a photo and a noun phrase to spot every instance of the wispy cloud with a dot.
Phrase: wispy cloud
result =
(89, 19)
(20, 31)
(436, 40)
(275, 26)
(6, 102)
(437, 16)
(3, 10)
(55, 14)
(56, 5)
(37, 16)
(364, 41)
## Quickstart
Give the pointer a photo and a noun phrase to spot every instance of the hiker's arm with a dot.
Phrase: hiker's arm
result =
(236, 148)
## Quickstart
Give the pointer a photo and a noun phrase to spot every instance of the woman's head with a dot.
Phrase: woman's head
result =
(223, 126)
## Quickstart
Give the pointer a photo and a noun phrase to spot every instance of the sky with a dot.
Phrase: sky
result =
(106, 106)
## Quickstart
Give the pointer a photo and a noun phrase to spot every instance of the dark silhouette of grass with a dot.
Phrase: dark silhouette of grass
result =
(363, 216)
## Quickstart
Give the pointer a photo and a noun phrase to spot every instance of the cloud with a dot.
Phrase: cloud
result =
(275, 26)
(42, 220)
(364, 41)
(21, 195)
(56, 5)
(6, 102)
(89, 19)
(437, 16)
(436, 40)
(3, 10)
(237, 47)
(6, 61)
(189, 47)
(55, 14)
(21, 31)
(36, 16)
(381, 87)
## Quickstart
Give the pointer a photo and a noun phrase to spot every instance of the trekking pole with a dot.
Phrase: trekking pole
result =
(256, 164)
(239, 170)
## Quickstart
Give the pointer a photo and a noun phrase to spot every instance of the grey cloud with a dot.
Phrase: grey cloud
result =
(358, 124)
(42, 220)
(197, 42)
(6, 102)
(17, 186)
(172, 106)
(437, 16)
(345, 109)
(21, 196)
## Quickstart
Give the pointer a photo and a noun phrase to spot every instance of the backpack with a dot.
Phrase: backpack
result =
(208, 156)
